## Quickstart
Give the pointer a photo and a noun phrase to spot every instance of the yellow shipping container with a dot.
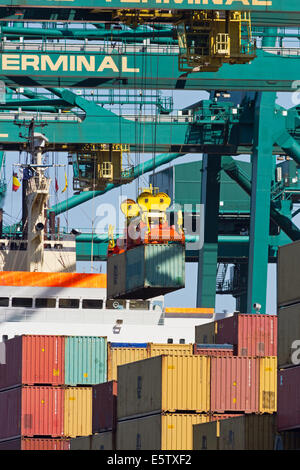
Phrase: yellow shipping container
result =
(171, 349)
(248, 432)
(78, 411)
(206, 334)
(101, 441)
(119, 356)
(159, 432)
(268, 384)
(164, 384)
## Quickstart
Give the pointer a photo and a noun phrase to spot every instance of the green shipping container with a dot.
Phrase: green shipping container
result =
(85, 360)
(153, 270)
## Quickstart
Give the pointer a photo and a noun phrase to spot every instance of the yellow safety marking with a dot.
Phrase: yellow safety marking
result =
(234, 383)
(43, 350)
(171, 367)
(56, 372)
(234, 400)
(171, 426)
(85, 375)
(72, 398)
(43, 401)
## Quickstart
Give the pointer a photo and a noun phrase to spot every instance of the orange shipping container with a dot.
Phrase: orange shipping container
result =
(32, 411)
(33, 359)
(26, 443)
(234, 384)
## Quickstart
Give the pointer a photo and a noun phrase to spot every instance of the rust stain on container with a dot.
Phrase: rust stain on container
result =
(252, 335)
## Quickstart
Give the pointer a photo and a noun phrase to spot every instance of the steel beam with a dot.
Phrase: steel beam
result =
(262, 171)
(208, 253)
(128, 69)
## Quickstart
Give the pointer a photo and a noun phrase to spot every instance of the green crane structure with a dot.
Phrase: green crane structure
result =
(135, 57)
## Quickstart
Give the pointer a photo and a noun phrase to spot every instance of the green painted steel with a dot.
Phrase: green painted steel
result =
(183, 184)
(248, 5)
(139, 170)
(262, 171)
(208, 253)
(268, 72)
(85, 360)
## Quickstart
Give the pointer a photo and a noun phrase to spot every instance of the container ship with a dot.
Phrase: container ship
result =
(41, 292)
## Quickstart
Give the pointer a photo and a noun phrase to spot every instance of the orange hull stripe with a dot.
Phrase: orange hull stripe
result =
(189, 310)
(37, 279)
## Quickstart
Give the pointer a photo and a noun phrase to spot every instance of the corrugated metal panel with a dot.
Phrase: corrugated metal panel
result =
(39, 279)
(45, 444)
(43, 360)
(153, 270)
(288, 406)
(181, 383)
(116, 275)
(202, 351)
(185, 383)
(81, 443)
(135, 268)
(288, 332)
(42, 411)
(78, 411)
(268, 385)
(10, 412)
(288, 275)
(248, 432)
(206, 333)
(12, 444)
(234, 384)
(252, 335)
(128, 345)
(105, 406)
(33, 359)
(159, 432)
(85, 360)
(102, 441)
(165, 265)
(120, 356)
(171, 349)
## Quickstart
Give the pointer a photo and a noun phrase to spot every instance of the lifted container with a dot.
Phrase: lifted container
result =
(150, 271)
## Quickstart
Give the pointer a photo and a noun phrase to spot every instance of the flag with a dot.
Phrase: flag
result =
(15, 182)
(56, 185)
(66, 183)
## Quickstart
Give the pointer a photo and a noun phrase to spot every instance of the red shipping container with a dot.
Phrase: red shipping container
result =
(203, 350)
(288, 399)
(251, 334)
(234, 384)
(33, 359)
(105, 406)
(32, 411)
(35, 444)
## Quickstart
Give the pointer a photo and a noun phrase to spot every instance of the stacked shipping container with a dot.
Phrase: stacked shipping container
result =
(288, 300)
(36, 399)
